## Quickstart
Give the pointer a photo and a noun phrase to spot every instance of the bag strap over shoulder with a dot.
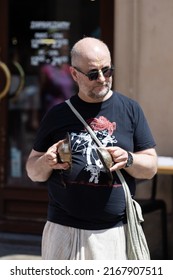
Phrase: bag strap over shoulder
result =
(137, 247)
(84, 122)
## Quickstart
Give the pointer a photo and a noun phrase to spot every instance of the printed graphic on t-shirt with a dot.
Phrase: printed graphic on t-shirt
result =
(83, 145)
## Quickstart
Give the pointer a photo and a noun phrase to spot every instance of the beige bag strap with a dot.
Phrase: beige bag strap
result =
(84, 122)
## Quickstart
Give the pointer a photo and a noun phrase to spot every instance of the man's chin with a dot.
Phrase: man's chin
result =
(99, 96)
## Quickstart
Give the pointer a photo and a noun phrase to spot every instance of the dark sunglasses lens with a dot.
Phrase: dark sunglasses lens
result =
(108, 72)
(93, 75)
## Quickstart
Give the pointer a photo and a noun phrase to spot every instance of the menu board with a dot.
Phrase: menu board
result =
(49, 42)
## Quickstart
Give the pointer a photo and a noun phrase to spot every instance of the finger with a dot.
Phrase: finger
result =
(117, 166)
(120, 159)
(51, 156)
(54, 148)
(119, 155)
(58, 144)
(63, 166)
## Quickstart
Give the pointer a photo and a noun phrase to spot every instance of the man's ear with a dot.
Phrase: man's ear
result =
(73, 73)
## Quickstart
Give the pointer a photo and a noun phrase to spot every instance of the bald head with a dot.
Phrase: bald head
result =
(88, 48)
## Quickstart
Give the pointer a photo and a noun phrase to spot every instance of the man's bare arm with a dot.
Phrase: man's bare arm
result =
(144, 162)
(39, 165)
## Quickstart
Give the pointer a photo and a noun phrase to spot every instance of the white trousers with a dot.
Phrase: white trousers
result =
(67, 243)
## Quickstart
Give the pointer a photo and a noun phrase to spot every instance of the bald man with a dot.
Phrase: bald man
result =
(86, 212)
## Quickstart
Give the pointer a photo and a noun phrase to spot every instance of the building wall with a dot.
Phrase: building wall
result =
(144, 68)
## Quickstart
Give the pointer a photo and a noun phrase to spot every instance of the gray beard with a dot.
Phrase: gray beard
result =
(101, 95)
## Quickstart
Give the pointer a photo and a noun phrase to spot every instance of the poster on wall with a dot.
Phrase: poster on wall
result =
(49, 42)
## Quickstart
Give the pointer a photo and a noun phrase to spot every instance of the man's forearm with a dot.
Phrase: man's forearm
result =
(37, 169)
(144, 166)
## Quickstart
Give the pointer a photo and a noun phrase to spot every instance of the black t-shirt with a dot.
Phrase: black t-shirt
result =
(83, 196)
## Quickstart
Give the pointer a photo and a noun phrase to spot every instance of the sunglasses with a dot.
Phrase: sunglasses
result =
(94, 74)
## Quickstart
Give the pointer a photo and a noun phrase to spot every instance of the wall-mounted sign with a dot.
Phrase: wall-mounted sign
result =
(49, 42)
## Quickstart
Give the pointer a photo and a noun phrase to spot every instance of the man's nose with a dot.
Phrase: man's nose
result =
(100, 75)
